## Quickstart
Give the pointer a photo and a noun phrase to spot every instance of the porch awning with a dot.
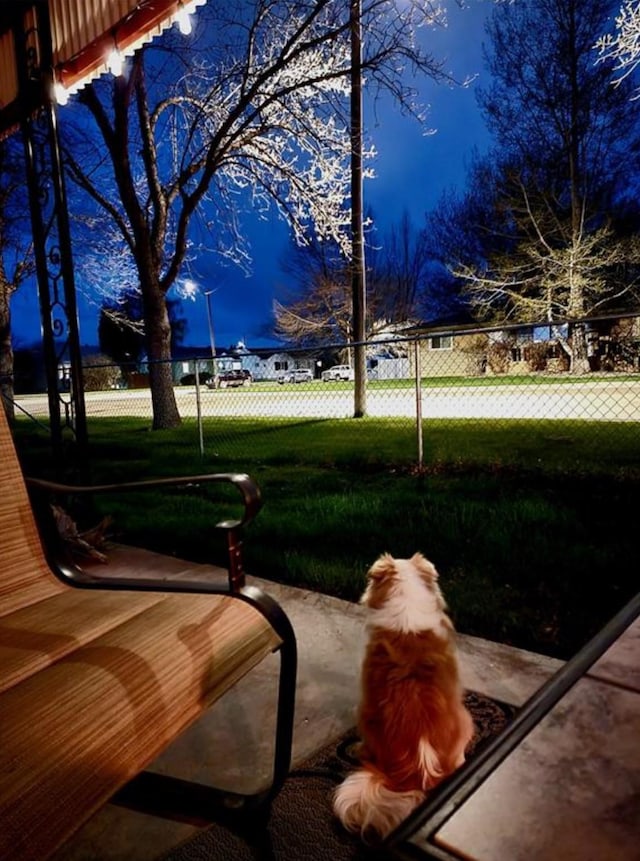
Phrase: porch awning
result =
(84, 33)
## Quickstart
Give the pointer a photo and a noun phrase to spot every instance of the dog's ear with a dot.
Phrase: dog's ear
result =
(424, 566)
(383, 567)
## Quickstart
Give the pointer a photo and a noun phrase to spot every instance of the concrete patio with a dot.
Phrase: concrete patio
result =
(230, 746)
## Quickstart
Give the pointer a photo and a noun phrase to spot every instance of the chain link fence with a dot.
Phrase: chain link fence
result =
(587, 373)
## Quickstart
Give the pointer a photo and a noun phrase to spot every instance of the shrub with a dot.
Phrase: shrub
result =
(499, 356)
(536, 356)
(475, 346)
(100, 374)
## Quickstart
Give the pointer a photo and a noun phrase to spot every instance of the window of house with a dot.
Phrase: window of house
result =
(441, 342)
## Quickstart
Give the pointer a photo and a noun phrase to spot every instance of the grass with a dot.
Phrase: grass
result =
(447, 382)
(531, 524)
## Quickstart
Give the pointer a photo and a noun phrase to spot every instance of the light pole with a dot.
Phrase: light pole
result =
(212, 343)
(358, 278)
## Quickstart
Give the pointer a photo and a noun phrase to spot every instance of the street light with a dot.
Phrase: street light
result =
(212, 343)
(358, 280)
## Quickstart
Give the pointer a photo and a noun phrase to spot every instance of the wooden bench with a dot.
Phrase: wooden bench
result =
(99, 674)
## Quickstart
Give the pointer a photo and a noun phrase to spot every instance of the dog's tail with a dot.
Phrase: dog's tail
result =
(364, 804)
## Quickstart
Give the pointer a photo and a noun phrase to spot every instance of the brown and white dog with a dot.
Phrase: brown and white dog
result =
(412, 722)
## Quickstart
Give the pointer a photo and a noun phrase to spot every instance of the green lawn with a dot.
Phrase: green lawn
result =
(531, 524)
(450, 382)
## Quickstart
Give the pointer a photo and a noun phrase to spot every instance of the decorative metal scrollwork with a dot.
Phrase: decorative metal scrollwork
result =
(52, 241)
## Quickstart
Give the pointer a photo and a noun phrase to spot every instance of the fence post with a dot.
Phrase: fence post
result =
(416, 360)
(199, 411)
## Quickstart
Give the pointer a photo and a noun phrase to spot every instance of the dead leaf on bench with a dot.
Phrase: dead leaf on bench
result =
(85, 543)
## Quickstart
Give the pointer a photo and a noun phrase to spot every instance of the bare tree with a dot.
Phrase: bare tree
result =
(547, 203)
(623, 46)
(319, 310)
(399, 271)
(253, 115)
(541, 279)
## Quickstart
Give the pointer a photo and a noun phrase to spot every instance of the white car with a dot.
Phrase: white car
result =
(338, 372)
(297, 375)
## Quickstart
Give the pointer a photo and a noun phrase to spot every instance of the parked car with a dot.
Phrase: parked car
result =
(297, 375)
(338, 372)
(230, 379)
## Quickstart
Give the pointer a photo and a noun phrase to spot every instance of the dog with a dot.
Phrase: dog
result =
(413, 724)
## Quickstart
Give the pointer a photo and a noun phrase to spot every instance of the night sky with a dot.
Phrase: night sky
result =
(412, 170)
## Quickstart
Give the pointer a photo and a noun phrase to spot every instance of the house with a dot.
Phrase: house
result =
(467, 350)
(445, 351)
(388, 351)
(267, 364)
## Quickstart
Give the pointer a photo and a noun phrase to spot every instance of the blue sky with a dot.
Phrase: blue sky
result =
(412, 170)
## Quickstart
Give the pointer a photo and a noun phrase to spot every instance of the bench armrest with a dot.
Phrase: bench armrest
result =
(246, 487)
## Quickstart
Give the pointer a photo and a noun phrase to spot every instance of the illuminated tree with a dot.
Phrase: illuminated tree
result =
(623, 46)
(547, 215)
(252, 115)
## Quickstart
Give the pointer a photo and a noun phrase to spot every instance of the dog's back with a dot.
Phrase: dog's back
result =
(412, 721)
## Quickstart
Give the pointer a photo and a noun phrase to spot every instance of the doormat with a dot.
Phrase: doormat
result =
(302, 826)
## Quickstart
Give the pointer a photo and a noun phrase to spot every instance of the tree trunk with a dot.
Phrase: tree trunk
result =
(6, 351)
(158, 341)
(579, 357)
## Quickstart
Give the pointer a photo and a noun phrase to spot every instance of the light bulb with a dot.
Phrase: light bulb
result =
(115, 62)
(184, 21)
(61, 94)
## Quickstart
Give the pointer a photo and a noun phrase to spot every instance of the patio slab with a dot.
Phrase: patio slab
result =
(571, 790)
(231, 745)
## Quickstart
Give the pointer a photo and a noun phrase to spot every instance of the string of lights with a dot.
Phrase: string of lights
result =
(115, 54)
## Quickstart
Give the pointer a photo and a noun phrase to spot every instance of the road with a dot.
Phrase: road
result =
(615, 400)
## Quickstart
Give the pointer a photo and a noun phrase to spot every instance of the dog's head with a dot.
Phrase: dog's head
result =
(404, 595)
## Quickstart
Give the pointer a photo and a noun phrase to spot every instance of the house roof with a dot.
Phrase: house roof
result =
(460, 320)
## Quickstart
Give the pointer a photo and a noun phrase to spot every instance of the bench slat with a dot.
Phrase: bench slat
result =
(37, 636)
(75, 732)
(26, 577)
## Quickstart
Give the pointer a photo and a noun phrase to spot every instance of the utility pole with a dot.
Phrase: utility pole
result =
(358, 277)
